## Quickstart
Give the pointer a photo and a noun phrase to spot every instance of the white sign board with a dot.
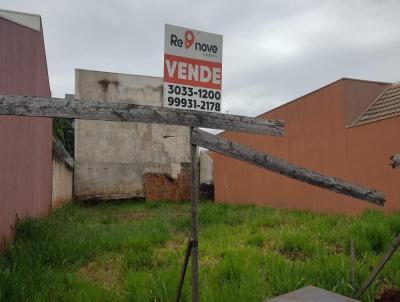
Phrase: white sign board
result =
(192, 69)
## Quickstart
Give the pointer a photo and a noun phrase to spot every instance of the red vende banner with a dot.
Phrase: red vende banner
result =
(192, 72)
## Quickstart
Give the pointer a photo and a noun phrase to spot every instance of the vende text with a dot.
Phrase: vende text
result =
(192, 72)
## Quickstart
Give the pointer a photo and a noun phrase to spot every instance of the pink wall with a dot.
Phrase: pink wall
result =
(25, 143)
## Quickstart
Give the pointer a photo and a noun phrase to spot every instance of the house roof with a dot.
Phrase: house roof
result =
(264, 114)
(31, 21)
(386, 105)
(319, 89)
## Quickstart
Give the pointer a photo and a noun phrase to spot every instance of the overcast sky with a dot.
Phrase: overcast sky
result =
(274, 51)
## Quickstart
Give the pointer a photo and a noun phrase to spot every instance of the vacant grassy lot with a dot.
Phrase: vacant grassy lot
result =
(133, 252)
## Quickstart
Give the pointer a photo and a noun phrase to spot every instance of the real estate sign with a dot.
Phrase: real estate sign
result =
(192, 69)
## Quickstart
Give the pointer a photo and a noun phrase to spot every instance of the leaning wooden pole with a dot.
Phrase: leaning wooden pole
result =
(194, 232)
(393, 247)
(183, 270)
(282, 167)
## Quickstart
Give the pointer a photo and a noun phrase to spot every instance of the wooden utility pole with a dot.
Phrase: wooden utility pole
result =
(194, 233)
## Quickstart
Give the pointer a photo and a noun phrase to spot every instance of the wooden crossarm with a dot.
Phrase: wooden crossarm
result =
(124, 112)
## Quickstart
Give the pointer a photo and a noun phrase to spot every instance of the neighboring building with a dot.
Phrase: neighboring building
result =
(348, 129)
(25, 143)
(111, 158)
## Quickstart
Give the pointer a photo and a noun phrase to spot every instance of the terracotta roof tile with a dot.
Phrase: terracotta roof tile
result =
(387, 105)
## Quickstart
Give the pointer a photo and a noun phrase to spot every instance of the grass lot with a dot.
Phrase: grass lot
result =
(134, 251)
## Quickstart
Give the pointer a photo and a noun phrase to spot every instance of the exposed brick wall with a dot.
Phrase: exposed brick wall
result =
(160, 186)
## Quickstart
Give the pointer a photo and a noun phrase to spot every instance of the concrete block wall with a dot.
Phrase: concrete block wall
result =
(111, 158)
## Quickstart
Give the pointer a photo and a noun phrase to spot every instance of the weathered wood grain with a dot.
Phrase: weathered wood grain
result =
(194, 161)
(61, 153)
(396, 161)
(282, 167)
(183, 270)
(123, 112)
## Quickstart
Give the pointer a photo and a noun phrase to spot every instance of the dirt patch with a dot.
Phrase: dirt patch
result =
(134, 216)
(294, 255)
(386, 291)
(181, 213)
(163, 253)
(389, 295)
(210, 261)
(104, 271)
(268, 246)
(335, 249)
(178, 244)
(173, 246)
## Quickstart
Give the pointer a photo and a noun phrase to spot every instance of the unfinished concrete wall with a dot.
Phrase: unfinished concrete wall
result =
(63, 175)
(62, 183)
(111, 158)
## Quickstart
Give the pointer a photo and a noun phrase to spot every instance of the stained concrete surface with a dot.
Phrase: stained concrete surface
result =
(112, 157)
(61, 183)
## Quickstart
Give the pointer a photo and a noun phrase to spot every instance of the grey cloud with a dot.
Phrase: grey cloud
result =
(274, 51)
